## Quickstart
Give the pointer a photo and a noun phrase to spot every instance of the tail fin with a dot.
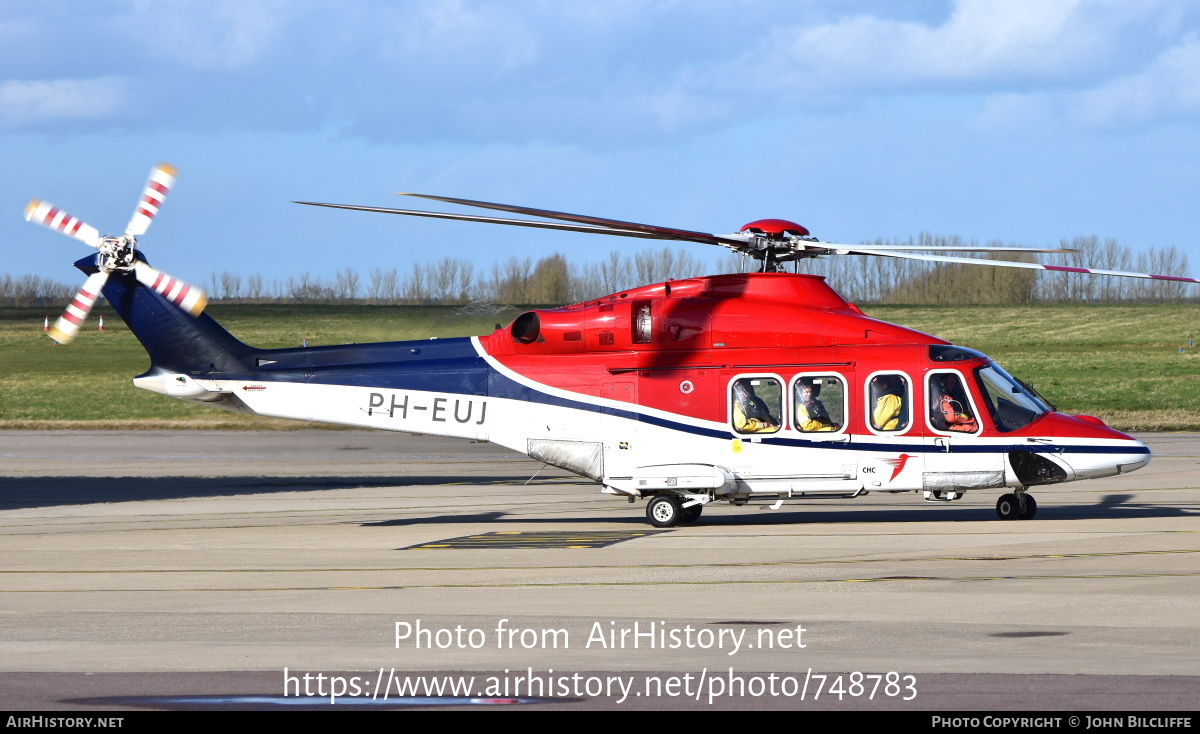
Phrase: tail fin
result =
(176, 341)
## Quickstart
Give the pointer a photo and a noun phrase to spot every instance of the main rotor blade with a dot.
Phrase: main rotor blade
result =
(854, 250)
(67, 326)
(162, 178)
(948, 248)
(51, 217)
(184, 295)
(663, 232)
(494, 220)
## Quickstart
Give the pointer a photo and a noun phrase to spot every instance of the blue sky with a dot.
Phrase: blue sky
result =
(1018, 120)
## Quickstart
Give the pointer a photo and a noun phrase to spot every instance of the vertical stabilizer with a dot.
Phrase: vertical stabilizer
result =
(175, 340)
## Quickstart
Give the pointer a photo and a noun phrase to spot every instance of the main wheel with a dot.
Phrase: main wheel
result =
(1008, 507)
(690, 514)
(1030, 508)
(663, 511)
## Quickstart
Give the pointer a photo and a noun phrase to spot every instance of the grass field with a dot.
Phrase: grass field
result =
(1121, 363)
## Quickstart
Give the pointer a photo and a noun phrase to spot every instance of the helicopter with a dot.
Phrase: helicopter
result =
(749, 388)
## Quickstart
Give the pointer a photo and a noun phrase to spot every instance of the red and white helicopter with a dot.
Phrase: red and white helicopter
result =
(762, 387)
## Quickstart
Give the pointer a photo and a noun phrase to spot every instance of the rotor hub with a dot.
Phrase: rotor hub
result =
(117, 253)
(775, 229)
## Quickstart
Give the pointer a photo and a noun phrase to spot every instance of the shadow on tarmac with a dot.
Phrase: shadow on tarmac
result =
(27, 492)
(32, 492)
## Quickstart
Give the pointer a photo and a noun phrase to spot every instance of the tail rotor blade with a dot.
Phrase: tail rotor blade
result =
(51, 217)
(184, 295)
(162, 178)
(67, 326)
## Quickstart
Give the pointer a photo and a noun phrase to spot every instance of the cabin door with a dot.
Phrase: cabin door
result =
(956, 458)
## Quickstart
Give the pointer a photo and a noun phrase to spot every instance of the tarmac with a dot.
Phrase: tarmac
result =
(190, 569)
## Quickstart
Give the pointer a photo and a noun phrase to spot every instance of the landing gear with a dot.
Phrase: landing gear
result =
(663, 511)
(690, 514)
(1030, 508)
(1016, 507)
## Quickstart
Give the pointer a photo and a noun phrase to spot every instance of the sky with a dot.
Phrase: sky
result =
(1023, 121)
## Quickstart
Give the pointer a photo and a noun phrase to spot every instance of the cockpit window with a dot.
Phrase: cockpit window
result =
(951, 353)
(1010, 404)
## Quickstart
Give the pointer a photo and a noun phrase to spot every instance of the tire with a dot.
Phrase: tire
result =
(1030, 508)
(663, 511)
(690, 514)
(1008, 507)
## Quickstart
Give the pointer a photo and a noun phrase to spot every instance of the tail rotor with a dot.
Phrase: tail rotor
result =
(117, 254)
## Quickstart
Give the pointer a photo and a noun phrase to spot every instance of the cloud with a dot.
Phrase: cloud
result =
(996, 43)
(1168, 88)
(32, 102)
(205, 34)
(631, 72)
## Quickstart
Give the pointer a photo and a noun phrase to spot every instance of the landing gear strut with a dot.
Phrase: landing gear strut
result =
(1018, 506)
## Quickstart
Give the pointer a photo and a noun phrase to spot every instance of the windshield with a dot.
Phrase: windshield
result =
(1011, 405)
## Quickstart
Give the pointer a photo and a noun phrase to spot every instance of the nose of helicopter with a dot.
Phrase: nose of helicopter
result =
(1094, 450)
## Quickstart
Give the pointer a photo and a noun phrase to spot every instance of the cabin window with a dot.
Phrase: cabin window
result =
(819, 403)
(951, 409)
(643, 323)
(889, 400)
(756, 404)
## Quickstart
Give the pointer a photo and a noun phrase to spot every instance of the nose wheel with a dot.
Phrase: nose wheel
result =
(1016, 507)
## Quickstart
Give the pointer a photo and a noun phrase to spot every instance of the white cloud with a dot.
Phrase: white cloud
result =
(32, 102)
(1169, 87)
(996, 42)
(206, 34)
(454, 36)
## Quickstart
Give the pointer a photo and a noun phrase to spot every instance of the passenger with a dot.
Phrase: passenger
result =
(811, 414)
(750, 413)
(949, 409)
(888, 392)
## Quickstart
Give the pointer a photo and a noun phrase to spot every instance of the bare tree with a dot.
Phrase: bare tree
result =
(254, 288)
(384, 286)
(33, 290)
(231, 286)
(415, 288)
(346, 285)
(550, 281)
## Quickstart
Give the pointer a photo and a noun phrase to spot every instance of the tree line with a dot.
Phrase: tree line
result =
(554, 280)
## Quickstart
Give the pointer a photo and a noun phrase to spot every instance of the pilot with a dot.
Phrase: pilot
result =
(949, 409)
(750, 413)
(888, 392)
(811, 414)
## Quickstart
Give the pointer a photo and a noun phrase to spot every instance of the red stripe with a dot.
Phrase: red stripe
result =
(167, 286)
(158, 187)
(148, 199)
(145, 213)
(72, 318)
(50, 215)
(91, 296)
(1066, 269)
(157, 281)
(182, 294)
(78, 224)
(66, 220)
(81, 304)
